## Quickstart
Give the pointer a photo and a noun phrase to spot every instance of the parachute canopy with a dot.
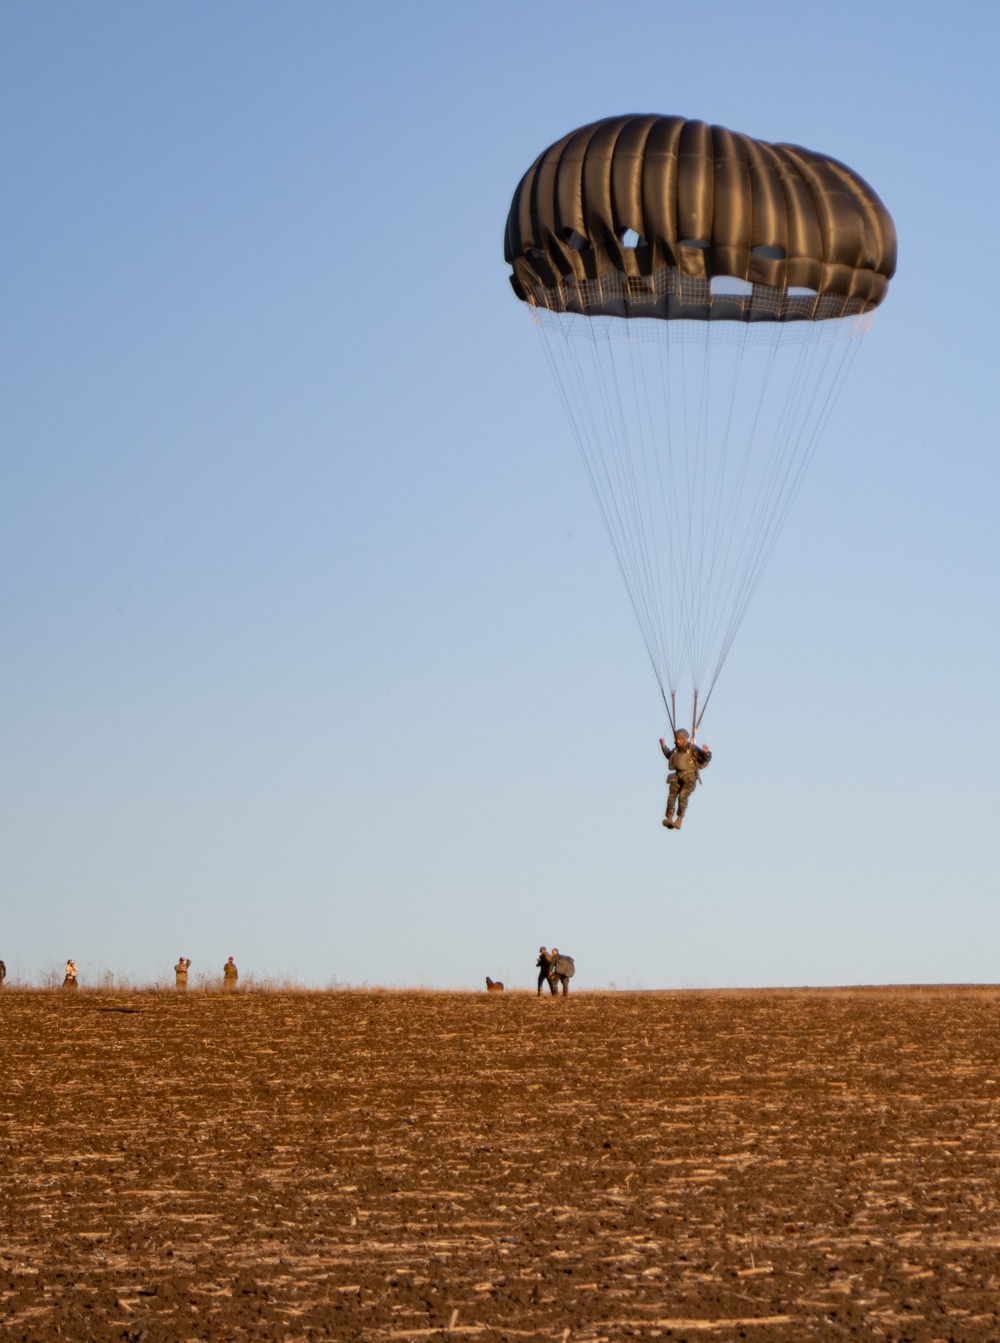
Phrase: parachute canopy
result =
(633, 216)
(761, 264)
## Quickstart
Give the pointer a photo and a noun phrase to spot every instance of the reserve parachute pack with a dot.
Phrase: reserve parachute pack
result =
(564, 965)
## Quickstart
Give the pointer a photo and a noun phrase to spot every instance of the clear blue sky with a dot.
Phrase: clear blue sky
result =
(314, 652)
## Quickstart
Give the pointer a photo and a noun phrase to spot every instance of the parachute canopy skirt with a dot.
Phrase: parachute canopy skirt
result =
(700, 294)
(635, 216)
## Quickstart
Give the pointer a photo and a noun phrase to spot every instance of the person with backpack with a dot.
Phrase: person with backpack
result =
(563, 970)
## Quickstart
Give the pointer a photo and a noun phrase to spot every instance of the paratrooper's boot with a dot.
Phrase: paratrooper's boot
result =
(668, 820)
(677, 823)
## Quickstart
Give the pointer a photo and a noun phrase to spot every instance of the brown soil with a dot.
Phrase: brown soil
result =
(762, 1166)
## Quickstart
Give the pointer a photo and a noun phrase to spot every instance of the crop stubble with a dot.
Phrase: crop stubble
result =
(377, 1166)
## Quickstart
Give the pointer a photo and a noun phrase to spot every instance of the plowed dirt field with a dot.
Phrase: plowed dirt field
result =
(377, 1166)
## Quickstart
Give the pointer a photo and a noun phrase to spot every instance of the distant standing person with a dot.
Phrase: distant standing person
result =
(230, 975)
(3, 973)
(544, 964)
(563, 970)
(181, 972)
(70, 981)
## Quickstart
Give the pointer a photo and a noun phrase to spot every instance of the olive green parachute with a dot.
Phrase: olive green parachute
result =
(633, 216)
(763, 263)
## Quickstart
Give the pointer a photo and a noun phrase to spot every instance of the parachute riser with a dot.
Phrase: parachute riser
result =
(671, 707)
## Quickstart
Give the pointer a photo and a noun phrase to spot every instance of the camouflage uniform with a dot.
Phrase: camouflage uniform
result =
(230, 975)
(181, 972)
(563, 968)
(685, 762)
(544, 964)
